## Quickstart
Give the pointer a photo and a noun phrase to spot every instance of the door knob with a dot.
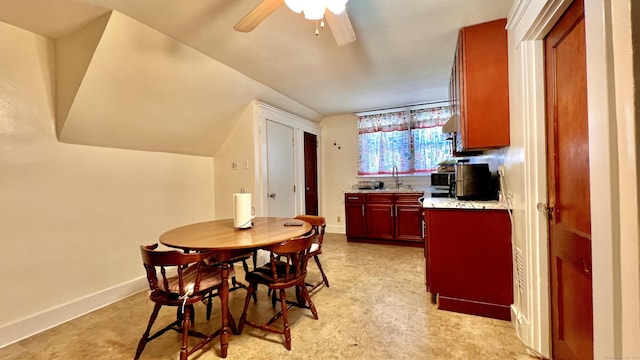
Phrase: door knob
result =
(272, 195)
(546, 209)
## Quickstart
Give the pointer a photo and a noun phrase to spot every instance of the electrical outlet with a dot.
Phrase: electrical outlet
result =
(234, 165)
(338, 218)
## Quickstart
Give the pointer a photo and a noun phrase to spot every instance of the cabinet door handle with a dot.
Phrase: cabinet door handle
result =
(363, 210)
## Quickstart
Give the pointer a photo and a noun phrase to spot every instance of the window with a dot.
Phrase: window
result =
(410, 139)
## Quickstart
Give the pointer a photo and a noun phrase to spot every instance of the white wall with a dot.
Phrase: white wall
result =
(238, 147)
(72, 217)
(339, 167)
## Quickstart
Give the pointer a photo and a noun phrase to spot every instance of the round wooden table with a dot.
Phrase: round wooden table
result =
(228, 242)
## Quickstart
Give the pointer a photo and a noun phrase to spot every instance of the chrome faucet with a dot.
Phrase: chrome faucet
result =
(394, 174)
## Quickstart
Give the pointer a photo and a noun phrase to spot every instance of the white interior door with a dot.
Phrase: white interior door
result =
(280, 170)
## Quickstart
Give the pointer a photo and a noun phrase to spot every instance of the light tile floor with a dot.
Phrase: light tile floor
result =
(375, 308)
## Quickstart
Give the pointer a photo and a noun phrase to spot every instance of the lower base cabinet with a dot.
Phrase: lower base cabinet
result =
(384, 217)
(468, 259)
(355, 215)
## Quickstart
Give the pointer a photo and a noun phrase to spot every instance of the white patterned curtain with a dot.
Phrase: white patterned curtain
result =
(430, 145)
(384, 141)
(412, 141)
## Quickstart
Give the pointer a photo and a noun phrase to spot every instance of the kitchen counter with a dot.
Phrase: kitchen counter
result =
(451, 203)
(386, 191)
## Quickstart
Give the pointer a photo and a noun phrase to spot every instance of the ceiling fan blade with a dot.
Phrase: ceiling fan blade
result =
(340, 27)
(257, 15)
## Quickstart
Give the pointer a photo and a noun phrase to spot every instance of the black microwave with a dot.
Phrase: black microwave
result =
(443, 179)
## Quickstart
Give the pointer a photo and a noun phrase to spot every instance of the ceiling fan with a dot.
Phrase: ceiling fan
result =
(339, 23)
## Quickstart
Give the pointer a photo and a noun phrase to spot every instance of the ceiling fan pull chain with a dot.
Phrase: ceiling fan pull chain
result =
(317, 31)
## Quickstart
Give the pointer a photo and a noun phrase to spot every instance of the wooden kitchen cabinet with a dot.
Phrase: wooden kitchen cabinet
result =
(380, 216)
(469, 261)
(409, 226)
(479, 87)
(354, 209)
(387, 217)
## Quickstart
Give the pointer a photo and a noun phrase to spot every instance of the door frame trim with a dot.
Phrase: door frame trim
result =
(262, 112)
(606, 24)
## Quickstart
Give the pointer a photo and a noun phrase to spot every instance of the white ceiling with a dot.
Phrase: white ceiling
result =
(402, 55)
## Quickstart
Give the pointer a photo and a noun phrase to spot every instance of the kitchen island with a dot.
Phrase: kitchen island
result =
(468, 256)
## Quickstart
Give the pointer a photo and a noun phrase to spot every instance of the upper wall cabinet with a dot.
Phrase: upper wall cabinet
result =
(479, 87)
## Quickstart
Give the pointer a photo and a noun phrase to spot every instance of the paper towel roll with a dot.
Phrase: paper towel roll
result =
(242, 212)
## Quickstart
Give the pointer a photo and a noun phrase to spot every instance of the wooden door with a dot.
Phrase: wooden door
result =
(311, 174)
(568, 188)
(280, 170)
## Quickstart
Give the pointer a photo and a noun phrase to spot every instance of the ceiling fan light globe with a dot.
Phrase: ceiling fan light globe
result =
(295, 5)
(336, 6)
(314, 9)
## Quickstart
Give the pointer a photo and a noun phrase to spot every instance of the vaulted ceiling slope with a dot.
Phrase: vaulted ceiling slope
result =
(173, 76)
(123, 84)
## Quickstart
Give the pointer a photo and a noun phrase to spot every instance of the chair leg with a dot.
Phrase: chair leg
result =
(180, 315)
(285, 319)
(274, 299)
(145, 336)
(307, 297)
(209, 304)
(324, 276)
(243, 317)
(186, 324)
(232, 323)
(245, 267)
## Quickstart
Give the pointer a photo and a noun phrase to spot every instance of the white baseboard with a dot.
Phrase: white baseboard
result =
(47, 319)
(335, 229)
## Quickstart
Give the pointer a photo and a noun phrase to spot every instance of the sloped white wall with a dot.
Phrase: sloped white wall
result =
(71, 216)
(126, 85)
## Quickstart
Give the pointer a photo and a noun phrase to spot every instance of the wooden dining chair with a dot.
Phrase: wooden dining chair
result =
(193, 280)
(287, 267)
(318, 223)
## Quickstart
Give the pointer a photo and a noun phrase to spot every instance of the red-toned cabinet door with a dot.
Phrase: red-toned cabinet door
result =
(354, 208)
(408, 217)
(380, 216)
(380, 221)
(470, 261)
(482, 77)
